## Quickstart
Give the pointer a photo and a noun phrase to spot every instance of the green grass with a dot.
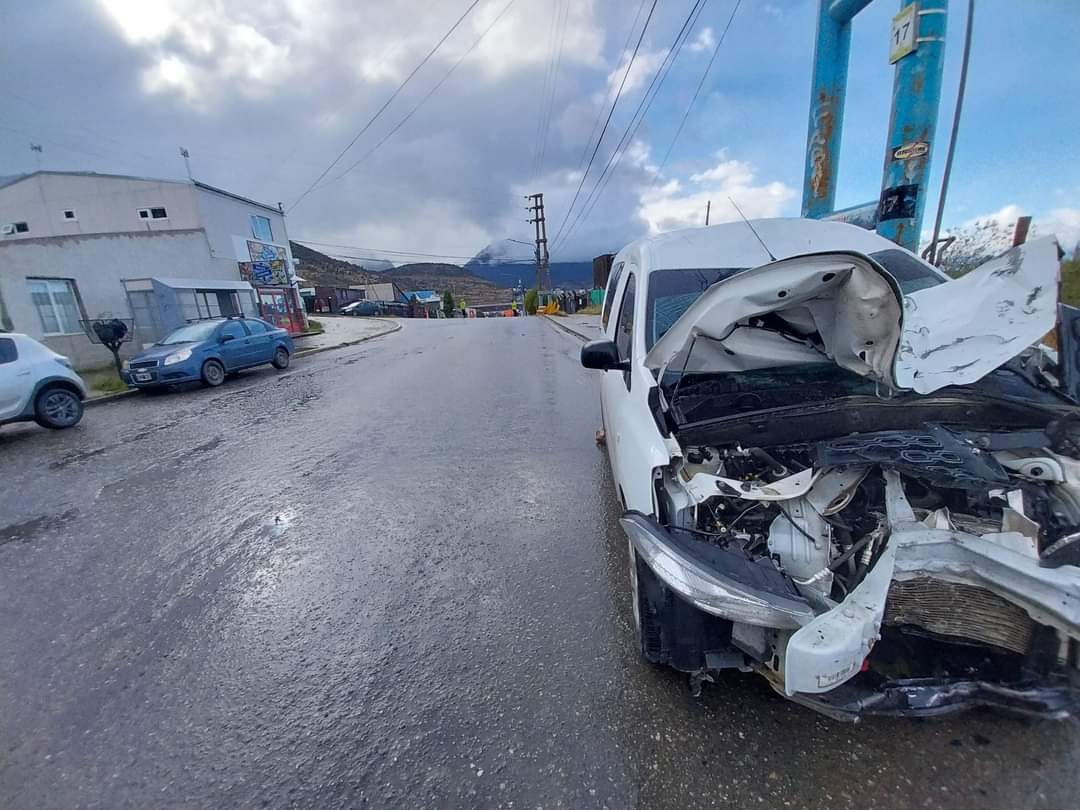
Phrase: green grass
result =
(104, 381)
(315, 326)
(589, 310)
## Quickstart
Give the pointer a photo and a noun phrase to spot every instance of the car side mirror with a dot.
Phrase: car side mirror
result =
(227, 338)
(603, 355)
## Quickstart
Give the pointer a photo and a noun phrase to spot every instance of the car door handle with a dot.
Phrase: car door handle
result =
(23, 373)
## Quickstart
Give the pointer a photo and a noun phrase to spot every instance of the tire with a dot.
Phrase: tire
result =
(213, 374)
(281, 358)
(57, 408)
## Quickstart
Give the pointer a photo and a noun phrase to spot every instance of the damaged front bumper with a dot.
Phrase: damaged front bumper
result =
(817, 654)
(933, 697)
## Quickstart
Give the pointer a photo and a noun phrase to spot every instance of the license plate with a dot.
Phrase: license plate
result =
(143, 376)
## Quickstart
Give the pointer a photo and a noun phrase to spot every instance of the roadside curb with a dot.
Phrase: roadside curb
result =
(568, 329)
(393, 327)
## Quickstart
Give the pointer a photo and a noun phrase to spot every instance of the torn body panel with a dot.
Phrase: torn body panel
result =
(847, 308)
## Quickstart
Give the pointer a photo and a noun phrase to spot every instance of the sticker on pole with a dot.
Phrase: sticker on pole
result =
(903, 38)
(910, 151)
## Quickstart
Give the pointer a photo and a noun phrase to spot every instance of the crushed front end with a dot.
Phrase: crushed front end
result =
(877, 513)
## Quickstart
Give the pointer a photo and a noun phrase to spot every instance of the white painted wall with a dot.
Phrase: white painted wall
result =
(98, 264)
(102, 204)
(228, 222)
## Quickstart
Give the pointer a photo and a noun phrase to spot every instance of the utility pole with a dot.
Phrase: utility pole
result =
(543, 270)
(708, 208)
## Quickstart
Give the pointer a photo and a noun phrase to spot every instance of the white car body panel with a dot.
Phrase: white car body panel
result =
(19, 379)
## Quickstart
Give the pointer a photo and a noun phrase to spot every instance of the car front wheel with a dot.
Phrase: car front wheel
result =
(213, 373)
(58, 408)
(281, 358)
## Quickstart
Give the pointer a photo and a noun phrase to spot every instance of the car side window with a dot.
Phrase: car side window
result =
(609, 294)
(255, 327)
(233, 328)
(8, 351)
(624, 328)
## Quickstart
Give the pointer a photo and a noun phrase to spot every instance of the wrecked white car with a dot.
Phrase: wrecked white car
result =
(844, 471)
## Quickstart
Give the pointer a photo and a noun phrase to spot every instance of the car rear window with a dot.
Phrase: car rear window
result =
(256, 327)
(8, 352)
(671, 292)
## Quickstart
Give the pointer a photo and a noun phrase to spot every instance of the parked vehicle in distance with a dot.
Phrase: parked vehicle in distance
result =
(844, 471)
(206, 351)
(362, 308)
(37, 384)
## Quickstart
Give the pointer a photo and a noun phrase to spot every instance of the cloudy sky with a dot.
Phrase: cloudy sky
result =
(265, 93)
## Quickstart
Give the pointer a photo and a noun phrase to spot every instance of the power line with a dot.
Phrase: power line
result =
(394, 252)
(607, 122)
(638, 117)
(543, 94)
(700, 84)
(386, 104)
(546, 128)
(422, 101)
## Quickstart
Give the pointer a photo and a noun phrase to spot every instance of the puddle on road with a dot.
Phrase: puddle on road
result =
(29, 529)
(280, 521)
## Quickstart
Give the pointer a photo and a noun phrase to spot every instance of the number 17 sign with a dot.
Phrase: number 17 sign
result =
(903, 38)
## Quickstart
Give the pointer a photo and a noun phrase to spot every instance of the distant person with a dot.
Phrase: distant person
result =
(513, 307)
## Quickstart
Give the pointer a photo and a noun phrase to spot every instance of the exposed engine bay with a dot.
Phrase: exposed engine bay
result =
(901, 571)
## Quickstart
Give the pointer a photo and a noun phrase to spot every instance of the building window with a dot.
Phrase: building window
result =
(57, 303)
(69, 214)
(22, 227)
(153, 213)
(260, 228)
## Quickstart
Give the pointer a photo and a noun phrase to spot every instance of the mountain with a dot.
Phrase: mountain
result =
(506, 263)
(372, 265)
(441, 277)
(318, 269)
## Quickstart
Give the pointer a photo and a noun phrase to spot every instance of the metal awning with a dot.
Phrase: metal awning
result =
(202, 284)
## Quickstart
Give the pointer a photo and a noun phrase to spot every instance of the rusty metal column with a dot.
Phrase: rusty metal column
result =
(916, 97)
(827, 104)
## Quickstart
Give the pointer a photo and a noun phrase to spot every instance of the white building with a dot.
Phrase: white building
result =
(78, 245)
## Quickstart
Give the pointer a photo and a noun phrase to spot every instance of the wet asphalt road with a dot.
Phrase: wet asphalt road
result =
(393, 577)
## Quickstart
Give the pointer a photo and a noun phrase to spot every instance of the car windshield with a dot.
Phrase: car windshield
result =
(671, 292)
(191, 333)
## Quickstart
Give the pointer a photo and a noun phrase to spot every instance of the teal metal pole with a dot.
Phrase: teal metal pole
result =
(827, 93)
(916, 98)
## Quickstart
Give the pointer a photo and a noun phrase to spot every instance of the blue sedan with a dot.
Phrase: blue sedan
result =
(206, 351)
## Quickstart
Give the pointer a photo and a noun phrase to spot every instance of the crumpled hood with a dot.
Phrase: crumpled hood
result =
(846, 307)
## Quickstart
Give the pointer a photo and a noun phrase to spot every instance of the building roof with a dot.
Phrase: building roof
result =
(248, 200)
(11, 179)
(422, 296)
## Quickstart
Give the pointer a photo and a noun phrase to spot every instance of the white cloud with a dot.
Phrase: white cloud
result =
(704, 41)
(645, 65)
(1064, 223)
(673, 205)
(206, 52)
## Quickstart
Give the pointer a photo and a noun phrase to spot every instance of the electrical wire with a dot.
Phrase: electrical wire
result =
(554, 89)
(614, 103)
(700, 84)
(422, 101)
(637, 118)
(543, 94)
(387, 103)
(600, 109)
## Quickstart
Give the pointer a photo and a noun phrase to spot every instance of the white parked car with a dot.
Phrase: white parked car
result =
(844, 471)
(38, 384)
